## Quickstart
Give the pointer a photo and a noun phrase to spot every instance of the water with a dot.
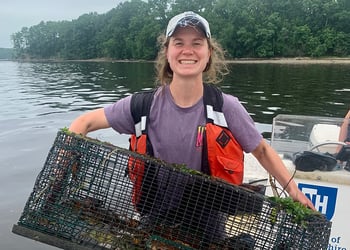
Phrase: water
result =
(36, 99)
(269, 89)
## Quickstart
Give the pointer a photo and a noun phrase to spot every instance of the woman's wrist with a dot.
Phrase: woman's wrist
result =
(291, 188)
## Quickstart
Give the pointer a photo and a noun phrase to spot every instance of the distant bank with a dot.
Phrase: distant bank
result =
(6, 54)
(296, 60)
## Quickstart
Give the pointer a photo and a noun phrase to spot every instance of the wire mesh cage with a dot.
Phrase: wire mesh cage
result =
(93, 195)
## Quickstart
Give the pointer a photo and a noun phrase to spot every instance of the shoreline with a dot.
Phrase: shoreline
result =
(294, 60)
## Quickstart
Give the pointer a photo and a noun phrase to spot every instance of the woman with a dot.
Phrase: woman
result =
(188, 57)
(344, 136)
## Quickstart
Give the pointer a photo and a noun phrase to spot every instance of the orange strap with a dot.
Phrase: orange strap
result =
(136, 167)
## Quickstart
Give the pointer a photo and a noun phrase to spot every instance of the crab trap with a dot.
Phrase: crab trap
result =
(93, 195)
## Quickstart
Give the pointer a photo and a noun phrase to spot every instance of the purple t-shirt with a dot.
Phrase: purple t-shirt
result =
(174, 131)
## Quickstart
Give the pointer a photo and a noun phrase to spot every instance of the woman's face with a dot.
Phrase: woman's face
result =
(188, 52)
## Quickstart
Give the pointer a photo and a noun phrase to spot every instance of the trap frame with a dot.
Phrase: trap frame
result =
(94, 195)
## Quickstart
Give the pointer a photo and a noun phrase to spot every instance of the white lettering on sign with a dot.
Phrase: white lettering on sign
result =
(320, 201)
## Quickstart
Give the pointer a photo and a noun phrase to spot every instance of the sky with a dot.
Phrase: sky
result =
(16, 14)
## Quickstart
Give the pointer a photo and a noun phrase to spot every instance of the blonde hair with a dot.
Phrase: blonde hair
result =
(213, 73)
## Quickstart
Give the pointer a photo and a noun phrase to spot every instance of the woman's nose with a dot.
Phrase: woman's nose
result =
(187, 50)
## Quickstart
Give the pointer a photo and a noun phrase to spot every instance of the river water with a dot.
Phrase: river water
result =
(36, 99)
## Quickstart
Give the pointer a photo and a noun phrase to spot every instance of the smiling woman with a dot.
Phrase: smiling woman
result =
(188, 121)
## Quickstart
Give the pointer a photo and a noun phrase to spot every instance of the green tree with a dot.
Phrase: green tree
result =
(245, 28)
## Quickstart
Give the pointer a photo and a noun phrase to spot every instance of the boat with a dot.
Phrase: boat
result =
(328, 188)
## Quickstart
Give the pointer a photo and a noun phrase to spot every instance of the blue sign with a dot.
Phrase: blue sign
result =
(323, 198)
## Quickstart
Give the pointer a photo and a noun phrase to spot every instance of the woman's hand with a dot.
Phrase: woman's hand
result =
(270, 160)
(299, 196)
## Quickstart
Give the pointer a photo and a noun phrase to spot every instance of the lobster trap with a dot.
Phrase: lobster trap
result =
(94, 195)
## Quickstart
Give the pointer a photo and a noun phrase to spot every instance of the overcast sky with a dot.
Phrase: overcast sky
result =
(15, 14)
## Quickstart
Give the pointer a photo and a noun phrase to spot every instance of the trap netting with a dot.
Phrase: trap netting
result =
(91, 194)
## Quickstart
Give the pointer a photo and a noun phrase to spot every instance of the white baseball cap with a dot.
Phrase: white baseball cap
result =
(188, 18)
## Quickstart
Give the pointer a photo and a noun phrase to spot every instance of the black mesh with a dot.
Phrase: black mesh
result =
(83, 196)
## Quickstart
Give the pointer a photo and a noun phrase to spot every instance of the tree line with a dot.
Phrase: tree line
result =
(5, 54)
(245, 29)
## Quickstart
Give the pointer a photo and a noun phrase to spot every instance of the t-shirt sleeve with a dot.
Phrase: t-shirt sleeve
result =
(240, 123)
(119, 116)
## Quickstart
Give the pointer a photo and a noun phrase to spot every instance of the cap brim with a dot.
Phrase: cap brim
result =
(188, 19)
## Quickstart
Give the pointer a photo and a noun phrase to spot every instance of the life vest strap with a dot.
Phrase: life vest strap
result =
(217, 117)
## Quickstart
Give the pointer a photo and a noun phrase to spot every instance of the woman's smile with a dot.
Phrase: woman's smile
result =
(188, 61)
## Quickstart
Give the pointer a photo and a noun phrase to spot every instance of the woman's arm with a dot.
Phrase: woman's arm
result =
(270, 160)
(344, 128)
(89, 122)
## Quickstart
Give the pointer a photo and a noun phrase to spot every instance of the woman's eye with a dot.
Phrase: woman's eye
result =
(198, 43)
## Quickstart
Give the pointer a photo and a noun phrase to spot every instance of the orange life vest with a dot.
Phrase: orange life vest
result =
(222, 155)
